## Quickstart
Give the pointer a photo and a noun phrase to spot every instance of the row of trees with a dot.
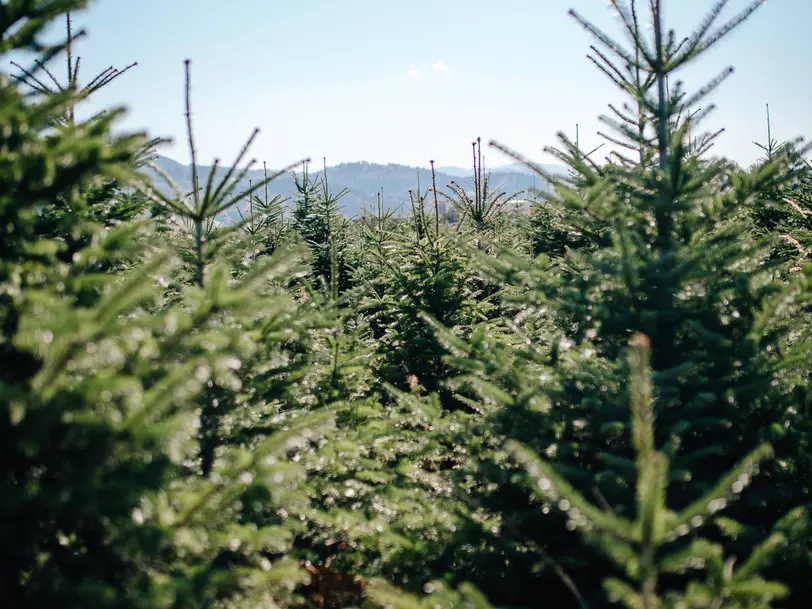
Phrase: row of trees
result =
(604, 402)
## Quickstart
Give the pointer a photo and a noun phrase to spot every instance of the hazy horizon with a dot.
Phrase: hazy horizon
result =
(505, 163)
(366, 81)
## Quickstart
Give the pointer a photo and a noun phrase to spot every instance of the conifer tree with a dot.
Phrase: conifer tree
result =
(318, 219)
(109, 201)
(672, 261)
(430, 275)
(48, 84)
(98, 391)
(264, 221)
(784, 214)
(199, 214)
(479, 210)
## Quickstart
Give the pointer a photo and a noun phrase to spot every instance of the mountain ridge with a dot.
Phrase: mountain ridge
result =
(362, 179)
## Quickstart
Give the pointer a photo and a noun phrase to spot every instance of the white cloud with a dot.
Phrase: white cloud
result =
(441, 67)
(413, 71)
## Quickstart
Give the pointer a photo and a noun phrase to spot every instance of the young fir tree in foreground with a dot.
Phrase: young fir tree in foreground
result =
(674, 260)
(101, 379)
(255, 332)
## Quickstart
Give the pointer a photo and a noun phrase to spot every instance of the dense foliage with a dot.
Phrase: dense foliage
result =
(224, 399)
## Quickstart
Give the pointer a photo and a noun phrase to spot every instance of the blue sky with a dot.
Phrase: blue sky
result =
(405, 82)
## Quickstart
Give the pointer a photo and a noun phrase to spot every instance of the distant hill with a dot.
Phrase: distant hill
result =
(511, 168)
(364, 180)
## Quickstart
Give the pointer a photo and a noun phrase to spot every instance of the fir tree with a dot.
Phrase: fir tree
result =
(318, 220)
(48, 84)
(671, 263)
(477, 211)
(99, 387)
(208, 241)
(264, 221)
(784, 214)
(430, 275)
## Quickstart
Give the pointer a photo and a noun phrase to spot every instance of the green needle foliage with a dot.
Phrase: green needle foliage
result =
(408, 273)
(640, 546)
(784, 214)
(264, 222)
(228, 399)
(201, 209)
(208, 244)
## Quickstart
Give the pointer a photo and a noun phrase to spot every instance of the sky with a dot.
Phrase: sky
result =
(404, 82)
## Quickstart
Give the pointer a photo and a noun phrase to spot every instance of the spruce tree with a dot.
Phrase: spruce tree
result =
(208, 243)
(318, 219)
(670, 258)
(99, 387)
(478, 211)
(784, 214)
(264, 221)
(412, 266)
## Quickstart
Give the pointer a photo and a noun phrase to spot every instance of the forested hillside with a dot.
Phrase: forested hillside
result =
(363, 182)
(254, 390)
